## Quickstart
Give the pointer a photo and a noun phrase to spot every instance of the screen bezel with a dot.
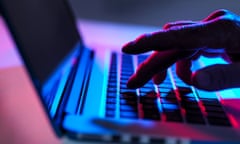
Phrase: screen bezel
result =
(37, 85)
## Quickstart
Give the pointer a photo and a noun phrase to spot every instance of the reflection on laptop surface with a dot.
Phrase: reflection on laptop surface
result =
(84, 90)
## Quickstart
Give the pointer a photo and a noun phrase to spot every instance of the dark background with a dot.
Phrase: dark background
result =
(150, 12)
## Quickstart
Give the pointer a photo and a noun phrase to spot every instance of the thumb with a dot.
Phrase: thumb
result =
(217, 77)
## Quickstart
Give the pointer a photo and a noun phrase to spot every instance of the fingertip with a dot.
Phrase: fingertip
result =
(131, 86)
(134, 82)
(141, 44)
(135, 48)
(128, 47)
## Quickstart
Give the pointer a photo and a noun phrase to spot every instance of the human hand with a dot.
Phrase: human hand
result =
(182, 41)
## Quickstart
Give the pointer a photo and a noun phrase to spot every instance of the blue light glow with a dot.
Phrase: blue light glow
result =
(227, 93)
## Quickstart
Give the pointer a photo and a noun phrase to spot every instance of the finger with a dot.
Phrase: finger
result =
(160, 77)
(165, 27)
(189, 37)
(141, 44)
(217, 77)
(183, 70)
(157, 62)
(178, 23)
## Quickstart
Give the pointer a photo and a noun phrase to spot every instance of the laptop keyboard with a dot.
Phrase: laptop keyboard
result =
(171, 101)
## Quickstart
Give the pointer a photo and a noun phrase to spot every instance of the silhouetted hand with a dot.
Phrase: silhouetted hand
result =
(182, 41)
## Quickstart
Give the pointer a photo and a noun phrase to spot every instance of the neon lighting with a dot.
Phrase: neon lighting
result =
(171, 106)
(226, 93)
(59, 92)
(61, 73)
(233, 121)
(77, 86)
(159, 105)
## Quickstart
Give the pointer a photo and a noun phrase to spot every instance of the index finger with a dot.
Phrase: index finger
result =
(187, 37)
(155, 63)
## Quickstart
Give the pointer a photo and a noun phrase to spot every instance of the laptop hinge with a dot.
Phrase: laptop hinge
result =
(80, 84)
(59, 115)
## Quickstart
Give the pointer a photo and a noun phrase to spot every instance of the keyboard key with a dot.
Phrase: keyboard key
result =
(189, 103)
(218, 121)
(124, 81)
(148, 100)
(195, 119)
(194, 106)
(127, 91)
(128, 95)
(170, 106)
(124, 77)
(128, 114)
(217, 115)
(169, 100)
(165, 89)
(126, 73)
(168, 95)
(111, 94)
(214, 102)
(210, 108)
(128, 108)
(149, 94)
(128, 102)
(112, 81)
(149, 107)
(151, 116)
(188, 98)
(112, 89)
(193, 112)
(111, 100)
(113, 76)
(184, 90)
(189, 95)
(173, 116)
(150, 110)
(147, 89)
(110, 113)
(111, 107)
(113, 85)
(205, 94)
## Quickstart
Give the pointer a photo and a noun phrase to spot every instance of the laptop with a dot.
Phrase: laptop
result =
(83, 90)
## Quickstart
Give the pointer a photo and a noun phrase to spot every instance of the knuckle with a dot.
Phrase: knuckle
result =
(167, 25)
(172, 24)
(221, 12)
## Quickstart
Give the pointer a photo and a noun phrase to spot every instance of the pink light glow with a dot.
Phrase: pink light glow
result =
(7, 47)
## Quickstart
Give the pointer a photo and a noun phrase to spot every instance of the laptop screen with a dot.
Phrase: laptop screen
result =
(44, 31)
